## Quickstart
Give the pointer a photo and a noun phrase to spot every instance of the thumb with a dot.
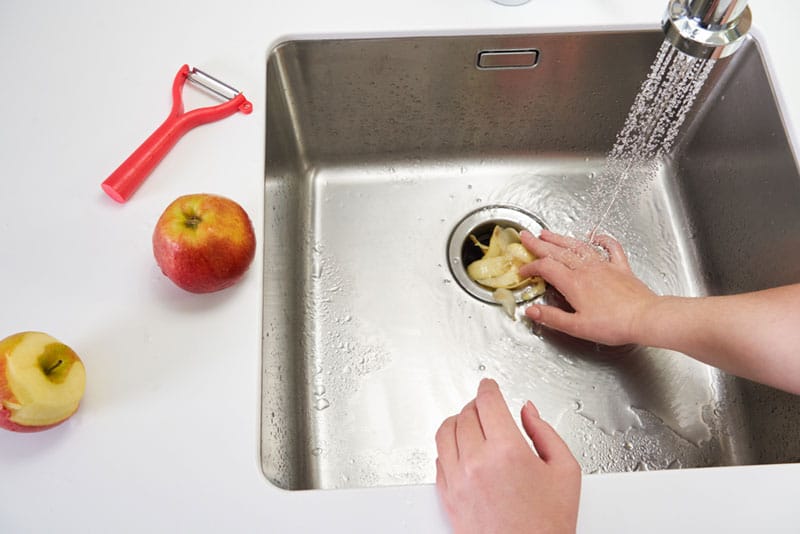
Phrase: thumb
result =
(553, 317)
(549, 445)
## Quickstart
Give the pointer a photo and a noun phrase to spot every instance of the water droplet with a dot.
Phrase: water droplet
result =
(321, 403)
(481, 367)
(628, 445)
(319, 390)
(316, 451)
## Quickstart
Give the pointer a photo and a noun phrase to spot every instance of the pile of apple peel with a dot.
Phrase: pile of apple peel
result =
(498, 269)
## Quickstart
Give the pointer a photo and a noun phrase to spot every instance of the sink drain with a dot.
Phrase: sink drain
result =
(461, 251)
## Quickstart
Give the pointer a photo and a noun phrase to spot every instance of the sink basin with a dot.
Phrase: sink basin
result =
(376, 149)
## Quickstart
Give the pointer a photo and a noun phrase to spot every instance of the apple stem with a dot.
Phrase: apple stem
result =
(53, 367)
(192, 221)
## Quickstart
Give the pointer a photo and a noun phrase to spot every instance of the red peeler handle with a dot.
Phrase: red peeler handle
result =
(122, 183)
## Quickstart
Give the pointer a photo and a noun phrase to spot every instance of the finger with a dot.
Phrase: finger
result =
(564, 241)
(583, 250)
(493, 412)
(443, 488)
(539, 248)
(554, 272)
(446, 446)
(441, 480)
(469, 434)
(549, 445)
(615, 251)
(554, 318)
(533, 409)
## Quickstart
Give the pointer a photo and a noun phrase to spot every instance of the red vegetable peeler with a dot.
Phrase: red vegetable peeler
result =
(129, 176)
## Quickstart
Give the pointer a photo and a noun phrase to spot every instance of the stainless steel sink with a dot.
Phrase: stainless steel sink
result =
(376, 149)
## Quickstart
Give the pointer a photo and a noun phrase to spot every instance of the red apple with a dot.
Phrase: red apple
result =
(41, 382)
(204, 242)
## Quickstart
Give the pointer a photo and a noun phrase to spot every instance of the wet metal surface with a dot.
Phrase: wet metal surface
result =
(377, 148)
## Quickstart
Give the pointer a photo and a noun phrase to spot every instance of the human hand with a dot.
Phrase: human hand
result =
(608, 299)
(491, 481)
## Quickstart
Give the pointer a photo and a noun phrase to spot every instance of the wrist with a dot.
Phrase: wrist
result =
(650, 321)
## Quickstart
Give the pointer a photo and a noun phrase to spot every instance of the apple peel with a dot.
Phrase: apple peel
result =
(498, 269)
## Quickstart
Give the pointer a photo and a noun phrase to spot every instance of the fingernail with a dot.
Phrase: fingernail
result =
(530, 406)
(534, 313)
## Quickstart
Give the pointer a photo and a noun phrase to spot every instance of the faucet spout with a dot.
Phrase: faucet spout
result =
(707, 28)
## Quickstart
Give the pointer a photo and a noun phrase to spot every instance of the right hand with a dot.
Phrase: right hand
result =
(608, 299)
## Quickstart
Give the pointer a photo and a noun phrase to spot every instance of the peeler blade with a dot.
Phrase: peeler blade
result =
(216, 86)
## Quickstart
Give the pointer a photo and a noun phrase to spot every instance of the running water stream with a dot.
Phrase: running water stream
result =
(658, 111)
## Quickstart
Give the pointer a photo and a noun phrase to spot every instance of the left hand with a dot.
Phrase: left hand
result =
(489, 478)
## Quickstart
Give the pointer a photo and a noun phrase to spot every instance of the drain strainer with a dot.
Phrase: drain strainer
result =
(461, 251)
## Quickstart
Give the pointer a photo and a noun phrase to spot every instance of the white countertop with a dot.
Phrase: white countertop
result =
(167, 437)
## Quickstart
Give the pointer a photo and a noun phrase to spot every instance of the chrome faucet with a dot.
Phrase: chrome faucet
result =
(707, 28)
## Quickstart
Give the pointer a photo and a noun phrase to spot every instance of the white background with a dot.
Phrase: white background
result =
(167, 437)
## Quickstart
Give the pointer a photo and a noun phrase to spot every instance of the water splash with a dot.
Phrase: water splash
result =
(650, 130)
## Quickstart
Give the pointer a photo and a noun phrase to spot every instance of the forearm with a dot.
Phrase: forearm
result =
(753, 335)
